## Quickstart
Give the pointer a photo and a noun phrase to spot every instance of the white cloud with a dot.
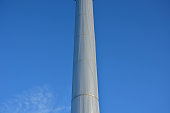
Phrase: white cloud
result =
(36, 100)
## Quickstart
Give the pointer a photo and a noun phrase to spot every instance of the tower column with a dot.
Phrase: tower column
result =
(85, 85)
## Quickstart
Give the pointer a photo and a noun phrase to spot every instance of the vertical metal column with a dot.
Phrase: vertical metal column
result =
(85, 84)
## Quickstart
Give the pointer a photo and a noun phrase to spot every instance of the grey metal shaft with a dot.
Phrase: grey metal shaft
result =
(85, 84)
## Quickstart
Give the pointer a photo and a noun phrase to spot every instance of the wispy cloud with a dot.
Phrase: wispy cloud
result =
(36, 100)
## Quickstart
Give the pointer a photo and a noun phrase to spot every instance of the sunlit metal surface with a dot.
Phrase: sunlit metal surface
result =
(85, 84)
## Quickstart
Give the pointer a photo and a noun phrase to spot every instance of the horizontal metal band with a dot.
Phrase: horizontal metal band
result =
(85, 95)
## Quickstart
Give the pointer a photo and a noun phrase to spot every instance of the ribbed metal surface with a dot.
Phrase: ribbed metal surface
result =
(85, 85)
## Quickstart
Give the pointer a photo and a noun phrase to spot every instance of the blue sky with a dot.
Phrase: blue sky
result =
(36, 55)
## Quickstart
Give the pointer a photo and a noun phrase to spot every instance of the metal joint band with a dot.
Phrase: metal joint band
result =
(85, 95)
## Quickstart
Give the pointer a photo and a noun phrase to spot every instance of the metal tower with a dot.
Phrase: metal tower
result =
(85, 85)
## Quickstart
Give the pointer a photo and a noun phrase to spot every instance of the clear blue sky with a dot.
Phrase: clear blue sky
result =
(133, 55)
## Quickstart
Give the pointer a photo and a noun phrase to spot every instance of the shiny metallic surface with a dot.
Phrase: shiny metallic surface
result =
(85, 95)
(85, 84)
